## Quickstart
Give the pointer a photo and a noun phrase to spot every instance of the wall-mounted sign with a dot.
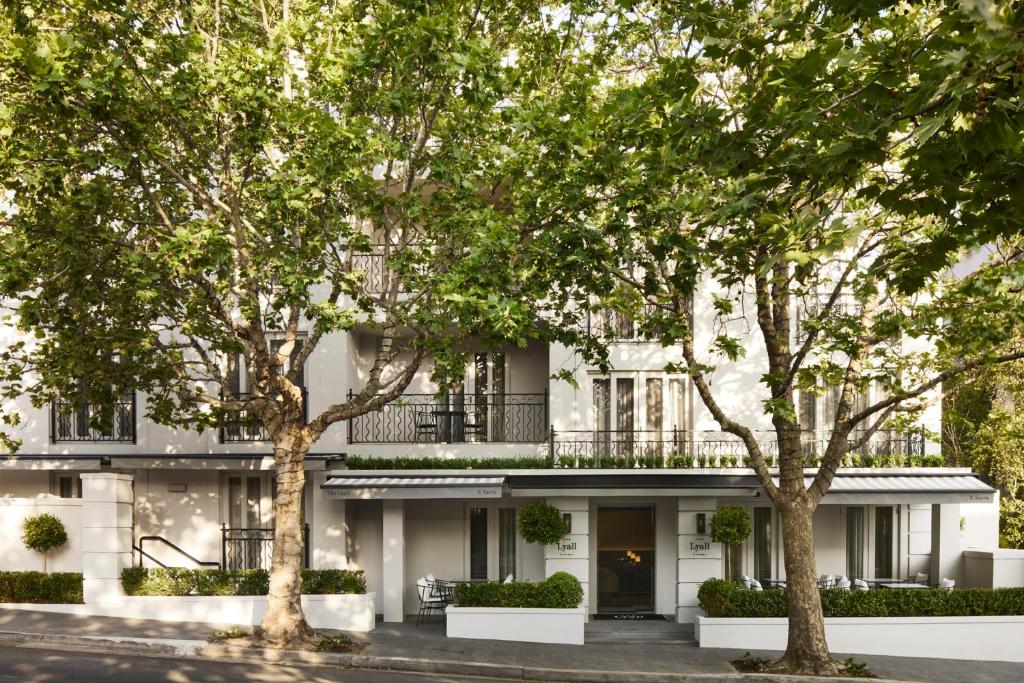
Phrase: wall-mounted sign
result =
(573, 546)
(698, 546)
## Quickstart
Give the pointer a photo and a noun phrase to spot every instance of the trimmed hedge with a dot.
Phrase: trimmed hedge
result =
(720, 598)
(561, 590)
(528, 462)
(56, 587)
(182, 581)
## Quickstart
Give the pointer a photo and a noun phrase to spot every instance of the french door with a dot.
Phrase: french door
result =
(493, 542)
(638, 413)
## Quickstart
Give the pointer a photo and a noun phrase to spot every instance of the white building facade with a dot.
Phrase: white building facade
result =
(631, 457)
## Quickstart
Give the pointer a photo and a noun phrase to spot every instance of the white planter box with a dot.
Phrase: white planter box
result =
(979, 638)
(526, 625)
(339, 612)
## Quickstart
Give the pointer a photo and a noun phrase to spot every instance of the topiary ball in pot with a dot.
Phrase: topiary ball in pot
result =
(542, 523)
(730, 525)
(43, 533)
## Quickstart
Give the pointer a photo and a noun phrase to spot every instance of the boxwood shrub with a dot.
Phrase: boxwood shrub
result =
(182, 581)
(561, 590)
(56, 587)
(720, 598)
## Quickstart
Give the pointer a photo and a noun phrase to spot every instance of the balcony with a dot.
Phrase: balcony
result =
(74, 420)
(377, 276)
(459, 418)
(241, 426)
(680, 448)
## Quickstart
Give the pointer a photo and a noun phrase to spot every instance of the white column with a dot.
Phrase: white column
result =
(107, 500)
(393, 560)
(327, 527)
(699, 558)
(572, 554)
(947, 555)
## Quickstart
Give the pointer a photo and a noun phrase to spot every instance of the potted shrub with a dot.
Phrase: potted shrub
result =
(730, 526)
(542, 523)
(43, 533)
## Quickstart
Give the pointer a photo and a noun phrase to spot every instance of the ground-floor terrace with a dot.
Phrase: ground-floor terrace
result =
(638, 539)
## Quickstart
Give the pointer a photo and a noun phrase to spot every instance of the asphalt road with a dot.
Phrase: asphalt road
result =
(31, 665)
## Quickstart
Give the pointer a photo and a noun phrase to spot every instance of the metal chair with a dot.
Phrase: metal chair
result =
(429, 600)
(426, 424)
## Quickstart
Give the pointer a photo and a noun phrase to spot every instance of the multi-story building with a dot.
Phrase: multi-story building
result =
(632, 458)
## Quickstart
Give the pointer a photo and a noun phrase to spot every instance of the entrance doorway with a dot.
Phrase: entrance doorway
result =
(625, 559)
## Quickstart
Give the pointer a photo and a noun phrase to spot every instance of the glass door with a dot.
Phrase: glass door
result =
(625, 559)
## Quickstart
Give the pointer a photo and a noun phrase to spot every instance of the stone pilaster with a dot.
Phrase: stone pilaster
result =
(107, 500)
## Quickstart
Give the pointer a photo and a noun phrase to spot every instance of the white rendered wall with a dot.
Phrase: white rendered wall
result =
(435, 544)
(364, 540)
(14, 556)
(24, 484)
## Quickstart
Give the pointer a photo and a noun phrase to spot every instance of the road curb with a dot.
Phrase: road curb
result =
(177, 649)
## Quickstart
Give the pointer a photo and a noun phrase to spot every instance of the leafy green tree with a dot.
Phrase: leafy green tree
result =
(183, 183)
(802, 174)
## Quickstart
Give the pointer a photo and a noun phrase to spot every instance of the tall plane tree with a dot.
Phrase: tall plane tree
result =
(803, 173)
(186, 182)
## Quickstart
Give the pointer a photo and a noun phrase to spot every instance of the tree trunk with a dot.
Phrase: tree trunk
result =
(284, 624)
(806, 651)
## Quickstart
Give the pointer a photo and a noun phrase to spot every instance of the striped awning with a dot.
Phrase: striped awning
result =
(910, 488)
(384, 487)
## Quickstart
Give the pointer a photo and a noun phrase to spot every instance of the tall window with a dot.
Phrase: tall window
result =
(655, 422)
(489, 394)
(506, 542)
(244, 498)
(624, 414)
(678, 412)
(762, 543)
(602, 414)
(885, 537)
(478, 544)
(855, 542)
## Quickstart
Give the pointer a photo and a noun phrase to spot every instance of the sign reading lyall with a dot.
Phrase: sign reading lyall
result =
(573, 546)
(698, 546)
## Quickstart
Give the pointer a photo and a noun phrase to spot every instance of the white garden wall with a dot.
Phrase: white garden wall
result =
(562, 626)
(338, 612)
(976, 638)
(14, 556)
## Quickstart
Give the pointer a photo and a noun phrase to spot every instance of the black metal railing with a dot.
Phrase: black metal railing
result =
(377, 277)
(473, 418)
(245, 425)
(683, 448)
(79, 420)
(253, 548)
(143, 555)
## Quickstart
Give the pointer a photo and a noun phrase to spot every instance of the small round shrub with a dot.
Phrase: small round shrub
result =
(730, 525)
(542, 523)
(715, 596)
(43, 533)
(561, 590)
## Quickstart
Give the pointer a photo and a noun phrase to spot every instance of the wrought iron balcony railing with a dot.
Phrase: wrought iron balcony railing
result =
(459, 418)
(680, 448)
(244, 425)
(377, 278)
(81, 421)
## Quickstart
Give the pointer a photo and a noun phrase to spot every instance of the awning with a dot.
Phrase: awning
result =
(381, 487)
(910, 488)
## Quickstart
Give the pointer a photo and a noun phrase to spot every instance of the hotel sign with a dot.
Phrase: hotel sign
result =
(698, 546)
(572, 547)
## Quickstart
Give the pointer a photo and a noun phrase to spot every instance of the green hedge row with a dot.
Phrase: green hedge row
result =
(561, 590)
(720, 598)
(181, 581)
(652, 461)
(57, 587)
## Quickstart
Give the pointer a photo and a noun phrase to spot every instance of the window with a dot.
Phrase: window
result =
(855, 542)
(602, 414)
(490, 414)
(66, 485)
(654, 412)
(244, 502)
(478, 544)
(885, 540)
(78, 419)
(506, 542)
(762, 543)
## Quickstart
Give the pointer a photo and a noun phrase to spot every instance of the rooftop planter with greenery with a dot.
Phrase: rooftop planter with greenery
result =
(561, 590)
(535, 462)
(40, 587)
(176, 581)
(720, 598)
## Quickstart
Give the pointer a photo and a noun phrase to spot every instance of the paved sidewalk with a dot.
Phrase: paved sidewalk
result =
(620, 650)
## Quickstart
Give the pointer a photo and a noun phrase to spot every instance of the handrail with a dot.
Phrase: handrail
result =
(142, 553)
(173, 547)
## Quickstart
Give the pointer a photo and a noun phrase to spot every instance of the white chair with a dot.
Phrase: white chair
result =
(755, 585)
(746, 581)
(843, 584)
(429, 601)
(921, 578)
(947, 584)
(826, 580)
(860, 585)
(509, 579)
